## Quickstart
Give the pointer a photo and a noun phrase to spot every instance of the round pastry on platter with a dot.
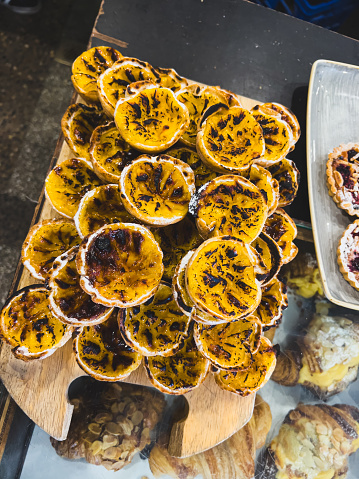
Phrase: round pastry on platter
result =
(250, 380)
(29, 327)
(102, 352)
(156, 327)
(45, 242)
(109, 153)
(230, 140)
(278, 138)
(120, 265)
(221, 278)
(152, 120)
(197, 99)
(343, 186)
(112, 83)
(273, 302)
(88, 67)
(282, 229)
(78, 124)
(348, 254)
(202, 173)
(101, 206)
(157, 190)
(287, 175)
(175, 241)
(229, 205)
(67, 183)
(348, 152)
(270, 257)
(68, 302)
(229, 345)
(179, 373)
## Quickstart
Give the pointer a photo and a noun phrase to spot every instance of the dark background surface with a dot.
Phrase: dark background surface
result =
(243, 47)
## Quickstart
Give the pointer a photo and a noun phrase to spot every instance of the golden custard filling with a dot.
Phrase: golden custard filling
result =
(151, 120)
(221, 278)
(157, 190)
(326, 378)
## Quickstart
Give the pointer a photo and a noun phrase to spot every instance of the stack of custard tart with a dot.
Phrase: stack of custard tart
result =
(169, 235)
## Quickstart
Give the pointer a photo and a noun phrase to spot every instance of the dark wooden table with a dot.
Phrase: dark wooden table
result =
(249, 49)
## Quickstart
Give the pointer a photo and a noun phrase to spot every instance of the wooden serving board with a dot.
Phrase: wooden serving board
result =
(40, 388)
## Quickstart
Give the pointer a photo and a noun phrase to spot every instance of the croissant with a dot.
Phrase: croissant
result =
(233, 459)
(325, 360)
(314, 442)
(303, 275)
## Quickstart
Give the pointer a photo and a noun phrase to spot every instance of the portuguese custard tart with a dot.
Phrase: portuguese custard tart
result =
(152, 120)
(278, 138)
(229, 345)
(229, 205)
(29, 327)
(102, 352)
(221, 278)
(169, 78)
(109, 153)
(274, 301)
(250, 380)
(287, 175)
(268, 186)
(342, 181)
(88, 67)
(120, 265)
(285, 114)
(348, 254)
(78, 124)
(67, 183)
(197, 99)
(179, 373)
(156, 327)
(113, 82)
(175, 241)
(101, 206)
(230, 140)
(45, 242)
(68, 302)
(270, 257)
(180, 294)
(282, 229)
(157, 190)
(202, 173)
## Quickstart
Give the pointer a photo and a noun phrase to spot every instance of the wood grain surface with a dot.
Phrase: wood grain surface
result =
(40, 388)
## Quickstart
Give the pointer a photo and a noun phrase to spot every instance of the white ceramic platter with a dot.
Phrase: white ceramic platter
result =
(332, 120)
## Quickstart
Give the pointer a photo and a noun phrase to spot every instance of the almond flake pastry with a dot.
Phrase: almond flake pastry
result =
(111, 423)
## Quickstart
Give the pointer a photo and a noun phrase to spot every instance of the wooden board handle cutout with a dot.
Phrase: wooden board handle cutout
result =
(40, 388)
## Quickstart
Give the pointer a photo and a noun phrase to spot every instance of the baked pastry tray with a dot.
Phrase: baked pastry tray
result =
(40, 388)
